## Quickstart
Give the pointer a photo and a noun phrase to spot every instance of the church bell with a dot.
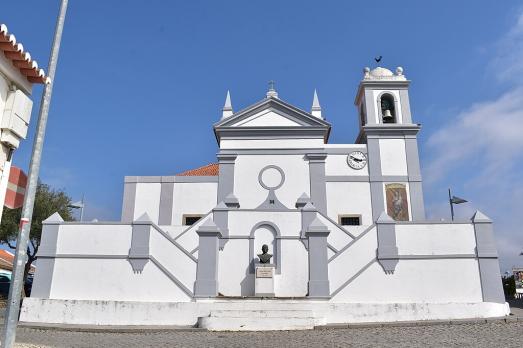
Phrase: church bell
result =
(387, 116)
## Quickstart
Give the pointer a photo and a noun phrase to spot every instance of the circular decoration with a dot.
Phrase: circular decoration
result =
(357, 160)
(271, 177)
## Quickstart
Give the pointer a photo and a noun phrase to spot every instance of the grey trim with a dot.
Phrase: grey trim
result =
(82, 256)
(283, 132)
(271, 167)
(302, 201)
(221, 219)
(414, 172)
(276, 237)
(318, 285)
(417, 207)
(338, 225)
(206, 284)
(435, 257)
(276, 257)
(377, 199)
(170, 179)
(405, 106)
(387, 253)
(129, 197)
(333, 249)
(226, 176)
(376, 188)
(43, 278)
(287, 151)
(269, 151)
(366, 178)
(173, 241)
(196, 179)
(139, 251)
(488, 263)
(271, 202)
(192, 226)
(276, 105)
(346, 178)
(172, 277)
(361, 235)
(166, 204)
(317, 180)
(369, 107)
(351, 279)
(194, 250)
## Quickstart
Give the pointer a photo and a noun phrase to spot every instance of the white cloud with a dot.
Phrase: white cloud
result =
(485, 142)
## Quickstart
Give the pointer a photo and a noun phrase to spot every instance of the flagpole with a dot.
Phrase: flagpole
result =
(451, 206)
(15, 290)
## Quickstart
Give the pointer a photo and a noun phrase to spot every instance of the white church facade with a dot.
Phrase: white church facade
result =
(345, 224)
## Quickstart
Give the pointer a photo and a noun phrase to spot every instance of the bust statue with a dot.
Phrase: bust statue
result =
(265, 257)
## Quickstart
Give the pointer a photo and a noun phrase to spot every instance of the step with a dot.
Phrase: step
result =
(258, 320)
(261, 313)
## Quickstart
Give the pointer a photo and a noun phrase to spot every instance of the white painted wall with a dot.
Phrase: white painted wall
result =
(435, 239)
(337, 165)
(193, 198)
(249, 191)
(228, 144)
(105, 279)
(147, 200)
(349, 198)
(356, 276)
(233, 269)
(393, 157)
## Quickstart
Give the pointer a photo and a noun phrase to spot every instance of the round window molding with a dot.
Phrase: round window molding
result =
(264, 185)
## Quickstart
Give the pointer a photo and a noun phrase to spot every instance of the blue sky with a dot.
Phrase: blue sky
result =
(140, 83)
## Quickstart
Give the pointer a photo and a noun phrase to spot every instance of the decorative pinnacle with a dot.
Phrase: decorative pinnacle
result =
(227, 107)
(272, 92)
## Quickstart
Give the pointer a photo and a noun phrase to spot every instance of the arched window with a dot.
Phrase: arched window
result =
(388, 111)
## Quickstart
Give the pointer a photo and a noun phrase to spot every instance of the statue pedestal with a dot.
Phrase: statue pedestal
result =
(264, 279)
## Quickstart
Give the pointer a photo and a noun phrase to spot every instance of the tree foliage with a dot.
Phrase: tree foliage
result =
(47, 202)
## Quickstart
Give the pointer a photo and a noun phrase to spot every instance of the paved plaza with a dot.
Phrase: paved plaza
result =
(492, 334)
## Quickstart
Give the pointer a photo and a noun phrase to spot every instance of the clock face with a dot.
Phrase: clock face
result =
(357, 160)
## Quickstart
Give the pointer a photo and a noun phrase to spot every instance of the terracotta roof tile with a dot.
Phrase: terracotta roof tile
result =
(208, 170)
(22, 60)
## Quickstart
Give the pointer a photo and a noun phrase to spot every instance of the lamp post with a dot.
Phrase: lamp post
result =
(454, 200)
(79, 205)
(15, 290)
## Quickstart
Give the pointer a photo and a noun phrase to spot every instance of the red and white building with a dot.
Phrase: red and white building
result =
(18, 72)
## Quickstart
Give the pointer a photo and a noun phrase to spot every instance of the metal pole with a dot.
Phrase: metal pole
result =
(82, 209)
(451, 206)
(15, 290)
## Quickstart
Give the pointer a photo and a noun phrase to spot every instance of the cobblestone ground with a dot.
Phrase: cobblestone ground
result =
(495, 334)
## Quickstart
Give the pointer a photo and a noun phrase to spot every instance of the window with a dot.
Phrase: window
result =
(190, 219)
(388, 111)
(4, 279)
(349, 220)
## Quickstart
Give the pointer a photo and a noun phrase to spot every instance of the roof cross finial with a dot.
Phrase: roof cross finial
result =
(272, 92)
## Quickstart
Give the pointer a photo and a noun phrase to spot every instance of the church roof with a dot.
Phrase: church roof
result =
(207, 170)
(14, 51)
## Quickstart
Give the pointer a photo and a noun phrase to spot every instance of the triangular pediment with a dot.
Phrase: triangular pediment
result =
(272, 112)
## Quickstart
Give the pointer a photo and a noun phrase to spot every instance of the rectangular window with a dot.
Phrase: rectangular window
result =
(189, 220)
(349, 220)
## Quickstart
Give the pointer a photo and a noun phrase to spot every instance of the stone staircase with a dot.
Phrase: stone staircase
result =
(259, 320)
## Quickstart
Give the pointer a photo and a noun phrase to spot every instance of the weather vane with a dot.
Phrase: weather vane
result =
(271, 85)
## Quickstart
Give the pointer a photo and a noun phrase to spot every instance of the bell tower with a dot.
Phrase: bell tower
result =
(386, 126)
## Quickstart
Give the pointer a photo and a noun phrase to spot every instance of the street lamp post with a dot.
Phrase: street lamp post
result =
(79, 205)
(454, 200)
(15, 290)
